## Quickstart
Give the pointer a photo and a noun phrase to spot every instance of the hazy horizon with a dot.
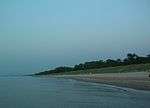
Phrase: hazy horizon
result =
(39, 34)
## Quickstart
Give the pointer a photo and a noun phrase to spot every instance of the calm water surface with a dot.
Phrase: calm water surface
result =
(37, 92)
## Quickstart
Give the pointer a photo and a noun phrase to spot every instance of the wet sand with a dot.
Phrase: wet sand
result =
(135, 80)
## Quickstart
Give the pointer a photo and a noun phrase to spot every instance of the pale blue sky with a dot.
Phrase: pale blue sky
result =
(37, 34)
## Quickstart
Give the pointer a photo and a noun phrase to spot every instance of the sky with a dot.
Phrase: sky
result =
(36, 35)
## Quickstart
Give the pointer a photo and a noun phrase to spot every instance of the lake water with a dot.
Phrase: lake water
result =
(40, 92)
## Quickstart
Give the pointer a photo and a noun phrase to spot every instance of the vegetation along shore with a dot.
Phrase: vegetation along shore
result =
(132, 72)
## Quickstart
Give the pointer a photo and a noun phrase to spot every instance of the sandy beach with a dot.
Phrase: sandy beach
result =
(135, 80)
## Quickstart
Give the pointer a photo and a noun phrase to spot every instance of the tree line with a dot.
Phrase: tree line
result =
(131, 58)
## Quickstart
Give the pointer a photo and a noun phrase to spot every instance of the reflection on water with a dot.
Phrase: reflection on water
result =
(36, 92)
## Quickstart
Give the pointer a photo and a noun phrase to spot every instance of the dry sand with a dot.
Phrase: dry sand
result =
(135, 80)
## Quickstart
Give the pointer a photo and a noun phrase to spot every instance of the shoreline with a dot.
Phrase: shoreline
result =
(133, 80)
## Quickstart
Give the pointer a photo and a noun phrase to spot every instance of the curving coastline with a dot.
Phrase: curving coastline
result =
(134, 80)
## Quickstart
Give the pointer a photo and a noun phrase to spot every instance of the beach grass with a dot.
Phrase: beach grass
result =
(117, 69)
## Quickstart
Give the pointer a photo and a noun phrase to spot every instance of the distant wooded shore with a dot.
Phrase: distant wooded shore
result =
(132, 62)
